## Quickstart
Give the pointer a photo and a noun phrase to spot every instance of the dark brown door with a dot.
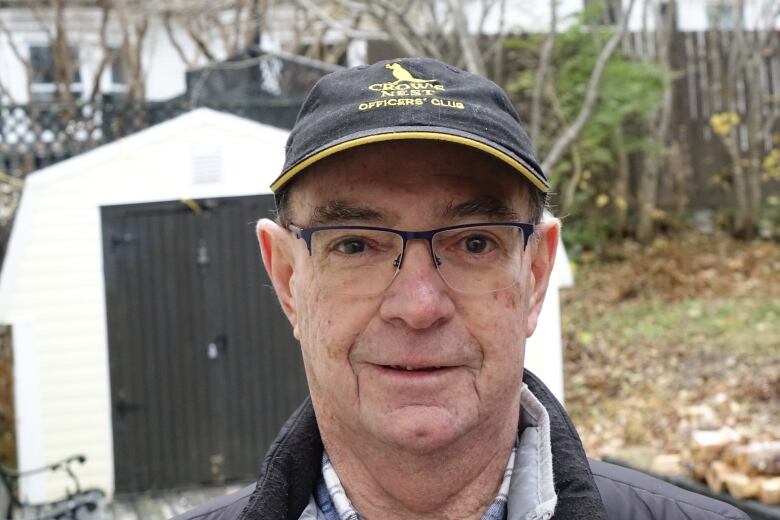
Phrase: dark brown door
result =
(204, 368)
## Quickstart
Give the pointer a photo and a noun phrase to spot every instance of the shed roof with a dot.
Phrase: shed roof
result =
(164, 131)
(159, 163)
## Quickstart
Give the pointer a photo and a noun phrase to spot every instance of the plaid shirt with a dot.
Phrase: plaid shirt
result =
(335, 505)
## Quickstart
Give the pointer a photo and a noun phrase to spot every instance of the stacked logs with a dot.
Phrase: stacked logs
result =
(729, 463)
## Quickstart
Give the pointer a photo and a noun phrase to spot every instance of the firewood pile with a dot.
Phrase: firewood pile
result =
(728, 461)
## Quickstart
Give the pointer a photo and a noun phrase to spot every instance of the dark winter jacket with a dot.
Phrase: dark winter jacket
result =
(586, 489)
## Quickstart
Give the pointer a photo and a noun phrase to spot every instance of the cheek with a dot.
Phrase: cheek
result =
(498, 311)
(328, 325)
(497, 321)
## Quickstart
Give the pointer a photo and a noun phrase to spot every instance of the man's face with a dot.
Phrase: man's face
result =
(470, 347)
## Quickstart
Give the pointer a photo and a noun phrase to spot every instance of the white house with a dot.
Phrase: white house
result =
(52, 286)
(29, 31)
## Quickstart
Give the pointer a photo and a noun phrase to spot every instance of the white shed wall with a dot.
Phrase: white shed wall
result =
(52, 286)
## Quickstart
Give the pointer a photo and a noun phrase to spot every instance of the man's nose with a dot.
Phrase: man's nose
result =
(417, 296)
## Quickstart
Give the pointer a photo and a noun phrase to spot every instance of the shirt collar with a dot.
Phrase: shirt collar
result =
(335, 505)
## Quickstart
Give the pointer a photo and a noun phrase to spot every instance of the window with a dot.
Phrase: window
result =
(42, 63)
(668, 8)
(115, 86)
(722, 14)
(117, 68)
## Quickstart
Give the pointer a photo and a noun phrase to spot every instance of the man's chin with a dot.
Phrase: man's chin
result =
(421, 429)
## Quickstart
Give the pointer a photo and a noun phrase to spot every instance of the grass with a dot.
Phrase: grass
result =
(651, 331)
(740, 325)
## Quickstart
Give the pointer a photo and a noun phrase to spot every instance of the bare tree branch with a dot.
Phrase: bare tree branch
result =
(19, 56)
(63, 63)
(487, 7)
(349, 31)
(647, 195)
(572, 132)
(398, 24)
(214, 20)
(496, 51)
(4, 92)
(43, 23)
(200, 43)
(167, 24)
(107, 53)
(238, 26)
(541, 71)
(737, 46)
(134, 27)
(468, 44)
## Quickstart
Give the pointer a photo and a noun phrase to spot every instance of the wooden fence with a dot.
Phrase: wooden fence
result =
(698, 96)
(38, 135)
(7, 421)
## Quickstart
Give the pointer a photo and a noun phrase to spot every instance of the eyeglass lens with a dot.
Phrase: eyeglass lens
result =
(472, 259)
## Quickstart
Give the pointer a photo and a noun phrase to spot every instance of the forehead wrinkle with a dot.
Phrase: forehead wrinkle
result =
(487, 206)
(340, 211)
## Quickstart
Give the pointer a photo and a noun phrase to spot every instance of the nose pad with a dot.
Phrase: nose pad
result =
(398, 262)
(418, 296)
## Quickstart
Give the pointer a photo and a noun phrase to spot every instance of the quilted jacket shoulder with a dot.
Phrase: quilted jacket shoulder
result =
(627, 493)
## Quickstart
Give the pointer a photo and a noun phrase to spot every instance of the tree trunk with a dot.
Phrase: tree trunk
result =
(571, 133)
(756, 96)
(620, 191)
(679, 169)
(468, 43)
(567, 200)
(647, 197)
(541, 71)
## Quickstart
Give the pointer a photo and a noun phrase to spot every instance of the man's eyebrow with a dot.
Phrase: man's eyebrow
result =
(489, 207)
(343, 212)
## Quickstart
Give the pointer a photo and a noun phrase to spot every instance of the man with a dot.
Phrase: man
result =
(411, 256)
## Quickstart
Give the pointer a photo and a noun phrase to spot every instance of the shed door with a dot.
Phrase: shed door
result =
(204, 368)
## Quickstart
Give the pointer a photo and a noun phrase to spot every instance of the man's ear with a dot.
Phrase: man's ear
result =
(277, 250)
(543, 251)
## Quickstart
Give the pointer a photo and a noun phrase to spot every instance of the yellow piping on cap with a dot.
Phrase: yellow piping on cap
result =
(394, 136)
(193, 205)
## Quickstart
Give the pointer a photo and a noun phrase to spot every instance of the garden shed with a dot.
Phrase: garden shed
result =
(146, 335)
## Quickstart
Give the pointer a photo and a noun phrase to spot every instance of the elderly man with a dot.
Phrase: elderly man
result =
(411, 256)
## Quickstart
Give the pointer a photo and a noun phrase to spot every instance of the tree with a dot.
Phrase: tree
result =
(658, 127)
(435, 29)
(745, 68)
(592, 176)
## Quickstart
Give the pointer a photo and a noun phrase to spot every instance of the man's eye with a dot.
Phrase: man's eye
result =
(477, 244)
(351, 246)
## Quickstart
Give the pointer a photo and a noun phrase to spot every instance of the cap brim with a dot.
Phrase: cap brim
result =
(419, 133)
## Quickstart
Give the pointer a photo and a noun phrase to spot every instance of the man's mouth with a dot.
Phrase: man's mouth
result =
(412, 369)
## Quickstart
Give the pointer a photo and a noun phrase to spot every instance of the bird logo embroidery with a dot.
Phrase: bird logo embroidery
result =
(401, 74)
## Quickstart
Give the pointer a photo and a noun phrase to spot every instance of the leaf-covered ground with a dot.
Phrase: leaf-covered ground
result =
(653, 333)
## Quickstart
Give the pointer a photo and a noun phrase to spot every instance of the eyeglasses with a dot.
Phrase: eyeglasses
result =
(364, 260)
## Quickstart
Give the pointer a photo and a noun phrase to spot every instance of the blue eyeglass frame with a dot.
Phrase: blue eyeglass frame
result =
(306, 233)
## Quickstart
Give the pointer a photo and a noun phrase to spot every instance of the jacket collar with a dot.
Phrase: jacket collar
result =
(293, 465)
(578, 496)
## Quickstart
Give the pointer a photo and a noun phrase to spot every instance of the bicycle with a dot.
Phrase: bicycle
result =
(81, 504)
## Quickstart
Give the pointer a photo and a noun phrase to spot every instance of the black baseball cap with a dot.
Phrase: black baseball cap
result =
(408, 98)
